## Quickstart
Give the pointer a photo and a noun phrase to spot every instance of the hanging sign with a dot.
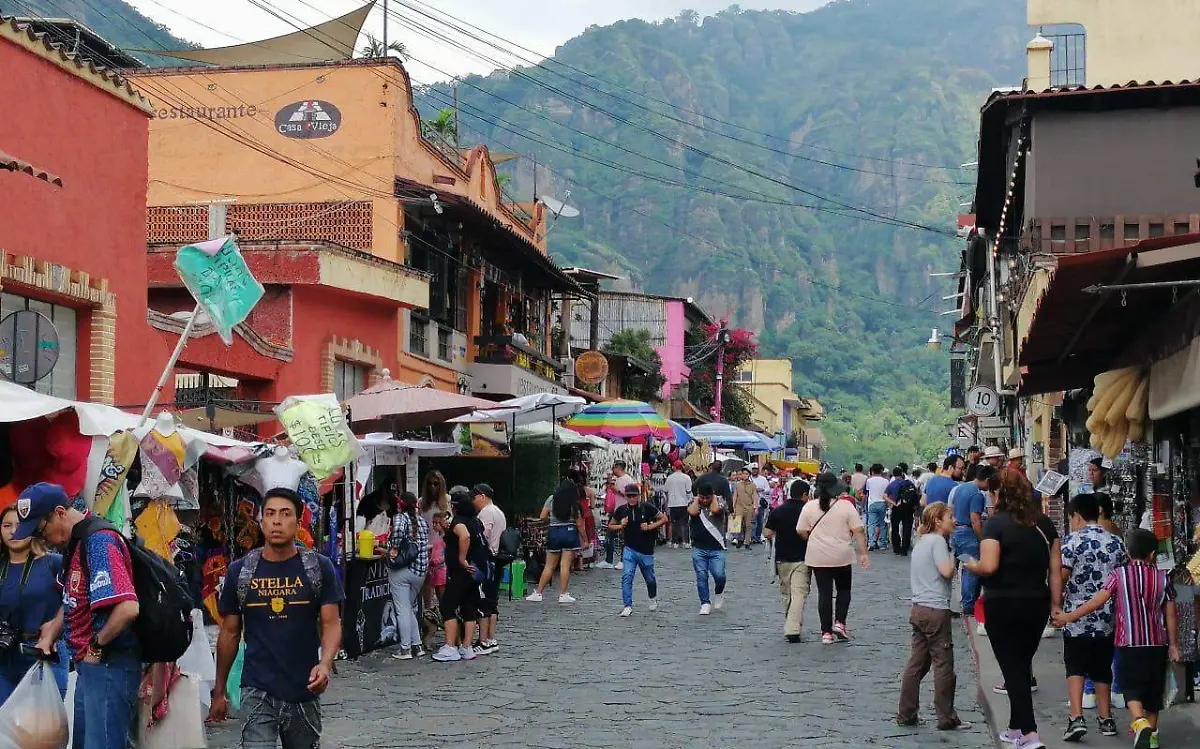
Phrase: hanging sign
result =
(982, 401)
(219, 280)
(318, 430)
(591, 367)
(369, 607)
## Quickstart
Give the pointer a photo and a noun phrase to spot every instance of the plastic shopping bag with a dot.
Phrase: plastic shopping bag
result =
(34, 717)
(183, 725)
(233, 685)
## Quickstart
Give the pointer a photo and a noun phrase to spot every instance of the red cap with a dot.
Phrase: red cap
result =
(677, 465)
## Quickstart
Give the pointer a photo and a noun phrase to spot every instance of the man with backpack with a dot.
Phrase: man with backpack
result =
(100, 605)
(285, 600)
(495, 526)
(904, 497)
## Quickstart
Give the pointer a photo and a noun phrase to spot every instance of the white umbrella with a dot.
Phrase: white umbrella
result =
(527, 409)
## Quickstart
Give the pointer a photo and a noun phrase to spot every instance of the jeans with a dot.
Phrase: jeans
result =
(932, 645)
(793, 584)
(14, 666)
(876, 523)
(681, 531)
(268, 719)
(1014, 628)
(405, 587)
(760, 519)
(104, 702)
(966, 542)
(708, 562)
(827, 578)
(634, 561)
(902, 529)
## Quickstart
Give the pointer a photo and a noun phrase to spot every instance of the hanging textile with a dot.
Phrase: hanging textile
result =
(162, 462)
(158, 527)
(118, 457)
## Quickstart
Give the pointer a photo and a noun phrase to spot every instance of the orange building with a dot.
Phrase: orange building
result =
(379, 249)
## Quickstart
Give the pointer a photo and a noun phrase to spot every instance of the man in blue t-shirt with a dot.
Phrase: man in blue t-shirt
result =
(938, 488)
(970, 509)
(288, 610)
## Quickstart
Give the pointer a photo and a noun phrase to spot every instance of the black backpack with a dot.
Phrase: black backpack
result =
(164, 622)
(479, 554)
(510, 545)
(910, 496)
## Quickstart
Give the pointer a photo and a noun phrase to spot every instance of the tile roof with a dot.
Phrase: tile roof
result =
(13, 164)
(103, 78)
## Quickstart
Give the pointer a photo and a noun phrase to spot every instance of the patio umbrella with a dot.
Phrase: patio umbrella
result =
(728, 435)
(527, 409)
(623, 420)
(682, 435)
(391, 406)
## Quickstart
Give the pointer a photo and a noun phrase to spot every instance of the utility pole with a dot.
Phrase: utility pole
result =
(385, 17)
(457, 135)
(722, 339)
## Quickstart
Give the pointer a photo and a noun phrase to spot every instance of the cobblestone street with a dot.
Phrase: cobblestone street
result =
(578, 676)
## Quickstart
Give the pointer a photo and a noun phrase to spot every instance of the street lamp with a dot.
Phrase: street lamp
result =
(935, 340)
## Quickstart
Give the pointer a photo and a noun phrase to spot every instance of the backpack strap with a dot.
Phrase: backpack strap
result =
(249, 567)
(312, 570)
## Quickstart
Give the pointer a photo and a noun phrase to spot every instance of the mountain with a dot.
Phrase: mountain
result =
(117, 22)
(689, 145)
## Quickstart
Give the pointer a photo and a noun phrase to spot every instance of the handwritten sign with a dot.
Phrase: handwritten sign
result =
(318, 430)
(218, 278)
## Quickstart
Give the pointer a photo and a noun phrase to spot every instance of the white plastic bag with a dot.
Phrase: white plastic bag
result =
(198, 661)
(183, 725)
(34, 717)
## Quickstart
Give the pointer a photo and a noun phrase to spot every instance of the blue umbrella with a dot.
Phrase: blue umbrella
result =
(728, 435)
(682, 435)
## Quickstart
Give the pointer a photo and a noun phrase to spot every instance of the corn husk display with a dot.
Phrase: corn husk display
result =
(1118, 409)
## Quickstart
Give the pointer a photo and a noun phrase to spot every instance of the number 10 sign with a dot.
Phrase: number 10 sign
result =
(982, 401)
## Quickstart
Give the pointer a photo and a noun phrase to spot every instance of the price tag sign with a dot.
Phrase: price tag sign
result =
(982, 401)
(319, 432)
(219, 280)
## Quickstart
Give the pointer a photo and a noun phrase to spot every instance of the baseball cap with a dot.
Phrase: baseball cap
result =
(677, 465)
(484, 489)
(1101, 462)
(632, 490)
(34, 504)
(754, 466)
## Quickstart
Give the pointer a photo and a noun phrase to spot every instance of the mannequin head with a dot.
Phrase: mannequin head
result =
(164, 424)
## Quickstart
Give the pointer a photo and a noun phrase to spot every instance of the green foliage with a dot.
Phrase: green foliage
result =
(116, 21)
(878, 87)
(736, 407)
(636, 345)
(375, 48)
(442, 128)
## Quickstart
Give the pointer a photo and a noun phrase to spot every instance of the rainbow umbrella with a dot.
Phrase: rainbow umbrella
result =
(621, 419)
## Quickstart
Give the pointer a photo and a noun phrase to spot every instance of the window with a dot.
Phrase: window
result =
(745, 375)
(348, 379)
(61, 380)
(443, 344)
(418, 332)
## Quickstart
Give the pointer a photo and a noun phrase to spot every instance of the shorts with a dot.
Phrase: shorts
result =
(562, 538)
(1090, 657)
(461, 599)
(1142, 673)
(437, 575)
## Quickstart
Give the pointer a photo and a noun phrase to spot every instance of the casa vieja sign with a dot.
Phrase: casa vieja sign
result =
(308, 119)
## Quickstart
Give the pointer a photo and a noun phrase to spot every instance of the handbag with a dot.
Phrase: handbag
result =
(403, 551)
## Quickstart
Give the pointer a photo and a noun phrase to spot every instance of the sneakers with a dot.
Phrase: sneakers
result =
(1076, 729)
(486, 648)
(792, 638)
(619, 566)
(534, 596)
(688, 545)
(602, 566)
(839, 631)
(418, 651)
(828, 638)
(654, 604)
(909, 722)
(447, 654)
(1011, 736)
(467, 653)
(403, 654)
(980, 630)
(1032, 741)
(1142, 733)
(1108, 726)
(1089, 701)
(627, 611)
(672, 545)
(958, 725)
(1002, 689)
(1154, 740)
(705, 609)
(566, 598)
(718, 601)
(1118, 700)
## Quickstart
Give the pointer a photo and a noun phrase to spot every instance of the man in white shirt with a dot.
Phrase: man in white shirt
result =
(764, 500)
(679, 496)
(876, 488)
(494, 523)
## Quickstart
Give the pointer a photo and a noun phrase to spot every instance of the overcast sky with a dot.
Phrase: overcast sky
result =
(539, 25)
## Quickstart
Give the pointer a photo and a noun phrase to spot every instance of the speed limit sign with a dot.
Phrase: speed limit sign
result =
(982, 401)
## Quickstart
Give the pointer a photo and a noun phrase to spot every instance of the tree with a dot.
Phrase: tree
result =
(374, 48)
(736, 408)
(636, 383)
(443, 128)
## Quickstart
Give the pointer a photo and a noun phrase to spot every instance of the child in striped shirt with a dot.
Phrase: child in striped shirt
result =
(1146, 631)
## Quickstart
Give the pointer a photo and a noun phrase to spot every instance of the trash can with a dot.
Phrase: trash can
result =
(517, 578)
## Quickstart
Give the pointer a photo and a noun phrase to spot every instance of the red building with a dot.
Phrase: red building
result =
(73, 164)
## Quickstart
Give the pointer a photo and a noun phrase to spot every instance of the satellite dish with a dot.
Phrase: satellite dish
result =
(559, 208)
(29, 347)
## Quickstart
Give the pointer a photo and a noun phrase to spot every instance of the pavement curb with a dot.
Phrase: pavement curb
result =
(968, 623)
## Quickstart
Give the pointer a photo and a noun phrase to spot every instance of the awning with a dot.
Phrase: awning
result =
(1076, 335)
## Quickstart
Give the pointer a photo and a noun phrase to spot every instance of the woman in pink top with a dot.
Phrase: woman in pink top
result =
(829, 526)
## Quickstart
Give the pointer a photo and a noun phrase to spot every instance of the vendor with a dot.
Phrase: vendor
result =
(376, 510)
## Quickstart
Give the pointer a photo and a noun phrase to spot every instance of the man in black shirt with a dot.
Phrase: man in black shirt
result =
(639, 521)
(789, 557)
(718, 482)
(709, 518)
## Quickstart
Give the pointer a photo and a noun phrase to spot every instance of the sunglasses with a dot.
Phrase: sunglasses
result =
(40, 531)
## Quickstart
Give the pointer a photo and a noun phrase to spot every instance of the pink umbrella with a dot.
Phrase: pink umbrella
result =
(391, 406)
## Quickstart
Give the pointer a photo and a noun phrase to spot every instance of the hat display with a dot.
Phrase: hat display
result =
(1016, 453)
(34, 504)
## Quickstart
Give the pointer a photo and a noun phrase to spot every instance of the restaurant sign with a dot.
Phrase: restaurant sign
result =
(308, 119)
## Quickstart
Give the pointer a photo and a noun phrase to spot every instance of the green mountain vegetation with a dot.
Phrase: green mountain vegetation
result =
(693, 149)
(117, 22)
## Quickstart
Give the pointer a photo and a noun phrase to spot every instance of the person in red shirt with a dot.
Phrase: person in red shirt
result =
(99, 605)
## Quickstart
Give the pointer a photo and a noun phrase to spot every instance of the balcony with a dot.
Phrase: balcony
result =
(507, 368)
